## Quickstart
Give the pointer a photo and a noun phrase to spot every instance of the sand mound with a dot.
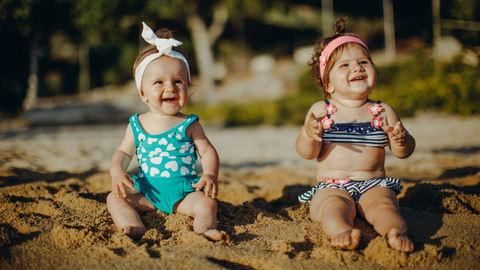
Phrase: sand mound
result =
(66, 224)
(53, 215)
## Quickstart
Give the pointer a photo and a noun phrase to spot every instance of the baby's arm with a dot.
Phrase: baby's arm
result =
(309, 141)
(210, 160)
(120, 161)
(400, 142)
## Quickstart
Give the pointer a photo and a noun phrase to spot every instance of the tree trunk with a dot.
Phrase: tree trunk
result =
(32, 91)
(389, 30)
(327, 18)
(203, 40)
(83, 61)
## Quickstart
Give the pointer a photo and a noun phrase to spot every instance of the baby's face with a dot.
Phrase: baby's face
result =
(353, 75)
(165, 85)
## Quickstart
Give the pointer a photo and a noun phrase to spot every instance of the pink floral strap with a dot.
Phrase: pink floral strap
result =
(375, 109)
(331, 109)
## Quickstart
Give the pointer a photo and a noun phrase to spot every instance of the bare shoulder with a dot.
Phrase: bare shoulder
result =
(195, 129)
(318, 107)
(390, 114)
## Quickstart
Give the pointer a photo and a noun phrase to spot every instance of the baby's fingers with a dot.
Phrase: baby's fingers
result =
(123, 191)
(129, 183)
(199, 185)
(214, 192)
(207, 189)
(116, 191)
(398, 125)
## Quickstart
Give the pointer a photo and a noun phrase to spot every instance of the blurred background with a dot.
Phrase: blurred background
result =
(69, 62)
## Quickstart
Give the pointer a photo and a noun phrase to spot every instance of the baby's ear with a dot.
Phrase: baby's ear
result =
(329, 88)
(142, 95)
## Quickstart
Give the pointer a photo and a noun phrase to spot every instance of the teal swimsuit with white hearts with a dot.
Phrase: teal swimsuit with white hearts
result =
(167, 164)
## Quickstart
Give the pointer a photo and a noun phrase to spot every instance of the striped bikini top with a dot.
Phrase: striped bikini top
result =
(366, 133)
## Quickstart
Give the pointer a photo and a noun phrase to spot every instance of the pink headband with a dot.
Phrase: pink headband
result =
(327, 52)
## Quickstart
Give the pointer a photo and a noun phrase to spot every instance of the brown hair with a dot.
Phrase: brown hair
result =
(152, 49)
(339, 30)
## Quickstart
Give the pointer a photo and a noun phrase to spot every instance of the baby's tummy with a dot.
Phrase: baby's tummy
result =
(355, 162)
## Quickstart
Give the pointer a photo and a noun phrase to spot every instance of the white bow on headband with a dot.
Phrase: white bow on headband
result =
(164, 47)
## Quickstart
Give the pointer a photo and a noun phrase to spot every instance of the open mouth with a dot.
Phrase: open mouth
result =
(359, 78)
(170, 100)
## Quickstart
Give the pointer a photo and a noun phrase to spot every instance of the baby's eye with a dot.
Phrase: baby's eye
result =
(364, 62)
(159, 82)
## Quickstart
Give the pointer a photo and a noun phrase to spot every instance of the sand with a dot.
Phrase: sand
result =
(54, 182)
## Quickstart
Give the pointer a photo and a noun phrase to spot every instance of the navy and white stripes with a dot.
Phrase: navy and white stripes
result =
(357, 133)
(355, 188)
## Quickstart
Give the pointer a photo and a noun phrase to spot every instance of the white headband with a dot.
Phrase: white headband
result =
(164, 47)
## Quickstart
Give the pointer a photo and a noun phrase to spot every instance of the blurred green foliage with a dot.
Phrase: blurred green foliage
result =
(411, 86)
(420, 84)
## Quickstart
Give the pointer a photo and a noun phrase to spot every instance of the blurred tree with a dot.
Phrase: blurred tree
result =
(24, 26)
(205, 20)
(101, 21)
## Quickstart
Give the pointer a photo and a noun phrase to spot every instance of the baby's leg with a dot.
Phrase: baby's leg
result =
(124, 212)
(335, 210)
(379, 206)
(204, 211)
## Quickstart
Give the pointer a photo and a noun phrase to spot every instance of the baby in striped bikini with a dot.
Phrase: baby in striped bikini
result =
(347, 134)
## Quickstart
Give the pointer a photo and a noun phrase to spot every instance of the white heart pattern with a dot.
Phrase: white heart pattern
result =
(170, 147)
(151, 140)
(162, 141)
(184, 147)
(184, 171)
(153, 153)
(172, 165)
(145, 167)
(141, 137)
(156, 160)
(165, 174)
(154, 171)
(180, 128)
(187, 160)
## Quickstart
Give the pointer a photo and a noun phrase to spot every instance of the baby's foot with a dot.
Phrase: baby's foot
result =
(346, 240)
(398, 241)
(133, 232)
(216, 235)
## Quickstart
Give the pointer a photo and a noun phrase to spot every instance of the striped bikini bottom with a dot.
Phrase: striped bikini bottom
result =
(354, 188)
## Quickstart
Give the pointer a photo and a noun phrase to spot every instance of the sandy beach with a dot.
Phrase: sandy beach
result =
(54, 182)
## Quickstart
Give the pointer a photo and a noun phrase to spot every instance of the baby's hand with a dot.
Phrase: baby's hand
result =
(119, 181)
(210, 183)
(397, 134)
(314, 127)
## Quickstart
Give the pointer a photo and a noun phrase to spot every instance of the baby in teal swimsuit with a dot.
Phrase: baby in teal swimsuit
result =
(166, 143)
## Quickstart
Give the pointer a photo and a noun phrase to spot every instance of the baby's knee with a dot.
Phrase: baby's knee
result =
(114, 199)
(111, 197)
(384, 204)
(207, 203)
(331, 203)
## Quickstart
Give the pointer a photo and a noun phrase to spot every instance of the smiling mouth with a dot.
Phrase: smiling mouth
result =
(359, 78)
(170, 100)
